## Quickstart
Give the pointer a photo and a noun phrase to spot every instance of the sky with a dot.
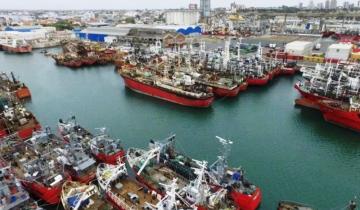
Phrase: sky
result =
(135, 4)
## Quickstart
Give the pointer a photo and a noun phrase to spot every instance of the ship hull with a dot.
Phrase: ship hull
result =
(340, 117)
(288, 71)
(23, 93)
(51, 195)
(308, 95)
(224, 92)
(20, 50)
(313, 104)
(247, 202)
(110, 159)
(258, 81)
(23, 134)
(243, 86)
(85, 179)
(165, 95)
(27, 132)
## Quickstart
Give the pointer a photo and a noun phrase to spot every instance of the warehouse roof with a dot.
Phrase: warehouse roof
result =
(298, 45)
(111, 31)
(341, 46)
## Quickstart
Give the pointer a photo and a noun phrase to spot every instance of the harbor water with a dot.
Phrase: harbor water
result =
(291, 153)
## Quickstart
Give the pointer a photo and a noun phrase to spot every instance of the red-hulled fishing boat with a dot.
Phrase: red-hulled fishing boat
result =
(13, 86)
(258, 81)
(17, 46)
(106, 149)
(341, 113)
(178, 90)
(36, 166)
(16, 120)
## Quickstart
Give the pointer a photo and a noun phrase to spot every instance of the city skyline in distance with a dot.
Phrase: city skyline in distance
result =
(142, 4)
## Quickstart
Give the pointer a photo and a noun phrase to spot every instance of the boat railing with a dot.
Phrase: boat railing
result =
(120, 202)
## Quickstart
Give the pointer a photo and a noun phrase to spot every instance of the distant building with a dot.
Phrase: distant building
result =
(205, 8)
(348, 5)
(333, 4)
(301, 5)
(311, 5)
(234, 7)
(193, 6)
(320, 5)
(327, 4)
(182, 17)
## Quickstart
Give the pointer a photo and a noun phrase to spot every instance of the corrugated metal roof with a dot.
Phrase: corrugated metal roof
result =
(112, 31)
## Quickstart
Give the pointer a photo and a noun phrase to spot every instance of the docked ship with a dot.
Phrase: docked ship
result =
(14, 86)
(77, 163)
(290, 68)
(36, 166)
(152, 171)
(328, 82)
(15, 119)
(176, 87)
(78, 53)
(70, 130)
(106, 149)
(222, 86)
(162, 162)
(342, 113)
(125, 193)
(16, 46)
(12, 195)
(77, 196)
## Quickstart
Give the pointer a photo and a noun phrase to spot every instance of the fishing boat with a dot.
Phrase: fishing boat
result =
(342, 113)
(76, 196)
(15, 119)
(180, 88)
(162, 162)
(70, 130)
(36, 166)
(123, 192)
(154, 173)
(17, 46)
(106, 149)
(13, 86)
(328, 82)
(76, 162)
(291, 205)
(126, 193)
(258, 80)
(289, 68)
(12, 195)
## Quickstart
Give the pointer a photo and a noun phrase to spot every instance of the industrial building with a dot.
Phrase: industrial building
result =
(205, 8)
(337, 52)
(126, 32)
(299, 48)
(182, 17)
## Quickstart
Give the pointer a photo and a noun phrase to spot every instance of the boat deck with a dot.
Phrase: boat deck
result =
(127, 187)
(164, 175)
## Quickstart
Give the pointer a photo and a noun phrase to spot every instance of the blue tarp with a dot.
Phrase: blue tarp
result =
(189, 30)
(92, 37)
(72, 201)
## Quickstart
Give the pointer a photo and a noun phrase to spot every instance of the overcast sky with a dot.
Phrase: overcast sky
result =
(135, 4)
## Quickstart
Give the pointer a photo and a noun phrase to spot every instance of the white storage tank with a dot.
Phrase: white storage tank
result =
(299, 48)
(338, 52)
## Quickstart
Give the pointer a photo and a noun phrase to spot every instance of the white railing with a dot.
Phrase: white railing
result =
(120, 202)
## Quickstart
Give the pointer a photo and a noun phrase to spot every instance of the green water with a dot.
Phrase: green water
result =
(290, 153)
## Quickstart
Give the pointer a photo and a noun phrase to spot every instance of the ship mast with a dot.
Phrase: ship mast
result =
(226, 56)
